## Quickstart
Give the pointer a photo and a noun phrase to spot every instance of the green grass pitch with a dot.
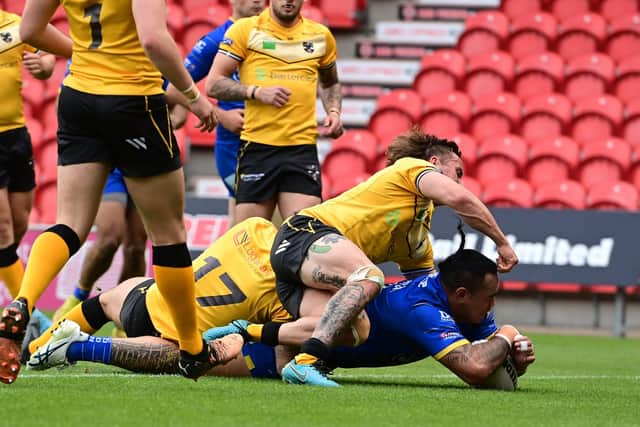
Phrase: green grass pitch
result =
(576, 381)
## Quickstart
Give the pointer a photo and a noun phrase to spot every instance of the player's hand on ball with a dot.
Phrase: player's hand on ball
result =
(522, 353)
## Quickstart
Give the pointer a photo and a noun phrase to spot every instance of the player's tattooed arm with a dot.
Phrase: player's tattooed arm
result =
(227, 89)
(475, 363)
(330, 89)
(149, 355)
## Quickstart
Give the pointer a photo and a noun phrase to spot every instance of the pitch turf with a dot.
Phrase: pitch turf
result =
(576, 381)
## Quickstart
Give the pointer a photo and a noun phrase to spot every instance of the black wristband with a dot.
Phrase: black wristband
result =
(253, 92)
(270, 333)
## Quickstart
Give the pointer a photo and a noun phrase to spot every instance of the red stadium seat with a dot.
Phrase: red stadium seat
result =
(537, 74)
(14, 6)
(531, 33)
(326, 187)
(396, 112)
(484, 32)
(446, 113)
(627, 84)
(634, 171)
(196, 4)
(560, 194)
(624, 37)
(46, 201)
(580, 34)
(175, 19)
(47, 163)
(551, 159)
(34, 215)
(500, 158)
(380, 162)
(545, 116)
(631, 126)
(588, 75)
(32, 90)
(596, 118)
(359, 147)
(213, 14)
(604, 160)
(441, 71)
(494, 115)
(488, 74)
(517, 8)
(36, 133)
(472, 185)
(344, 14)
(53, 83)
(509, 193)
(612, 195)
(346, 181)
(613, 9)
(314, 13)
(193, 33)
(469, 149)
(49, 121)
(562, 9)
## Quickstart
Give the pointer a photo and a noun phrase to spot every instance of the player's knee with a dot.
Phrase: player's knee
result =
(369, 276)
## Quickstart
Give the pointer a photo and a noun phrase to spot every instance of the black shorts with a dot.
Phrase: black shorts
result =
(133, 133)
(295, 236)
(16, 161)
(134, 315)
(263, 171)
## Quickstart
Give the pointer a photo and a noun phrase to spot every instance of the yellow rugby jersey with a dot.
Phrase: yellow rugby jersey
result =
(11, 49)
(234, 280)
(108, 58)
(386, 216)
(272, 55)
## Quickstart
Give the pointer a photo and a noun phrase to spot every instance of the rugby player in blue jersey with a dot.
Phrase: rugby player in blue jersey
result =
(438, 315)
(198, 63)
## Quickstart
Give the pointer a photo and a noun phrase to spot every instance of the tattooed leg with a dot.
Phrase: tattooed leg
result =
(145, 354)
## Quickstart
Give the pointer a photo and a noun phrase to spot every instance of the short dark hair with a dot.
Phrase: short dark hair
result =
(417, 144)
(466, 267)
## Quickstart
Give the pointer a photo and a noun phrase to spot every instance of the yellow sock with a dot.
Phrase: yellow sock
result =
(48, 255)
(305, 359)
(177, 287)
(12, 277)
(75, 314)
(255, 331)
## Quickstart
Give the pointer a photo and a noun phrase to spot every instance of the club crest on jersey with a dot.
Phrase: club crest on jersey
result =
(444, 316)
(6, 37)
(308, 47)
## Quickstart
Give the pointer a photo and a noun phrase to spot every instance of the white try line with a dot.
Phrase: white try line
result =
(400, 377)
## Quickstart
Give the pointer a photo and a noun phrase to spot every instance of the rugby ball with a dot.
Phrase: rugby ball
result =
(504, 378)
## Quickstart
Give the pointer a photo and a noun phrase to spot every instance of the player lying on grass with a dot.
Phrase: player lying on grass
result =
(438, 315)
(233, 280)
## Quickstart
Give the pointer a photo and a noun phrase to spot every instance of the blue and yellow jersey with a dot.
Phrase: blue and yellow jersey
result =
(108, 58)
(272, 55)
(11, 49)
(386, 216)
(234, 280)
(411, 320)
(198, 63)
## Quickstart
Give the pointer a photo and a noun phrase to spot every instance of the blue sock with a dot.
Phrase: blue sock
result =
(95, 349)
(45, 322)
(81, 294)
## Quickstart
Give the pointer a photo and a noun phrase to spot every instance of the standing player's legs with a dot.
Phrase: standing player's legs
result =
(81, 178)
(149, 158)
(299, 186)
(134, 245)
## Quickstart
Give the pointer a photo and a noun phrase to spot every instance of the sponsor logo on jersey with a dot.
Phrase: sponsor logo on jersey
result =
(445, 317)
(269, 45)
(227, 41)
(392, 217)
(447, 335)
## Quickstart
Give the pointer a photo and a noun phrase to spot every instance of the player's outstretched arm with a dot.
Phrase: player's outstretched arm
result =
(445, 191)
(475, 363)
